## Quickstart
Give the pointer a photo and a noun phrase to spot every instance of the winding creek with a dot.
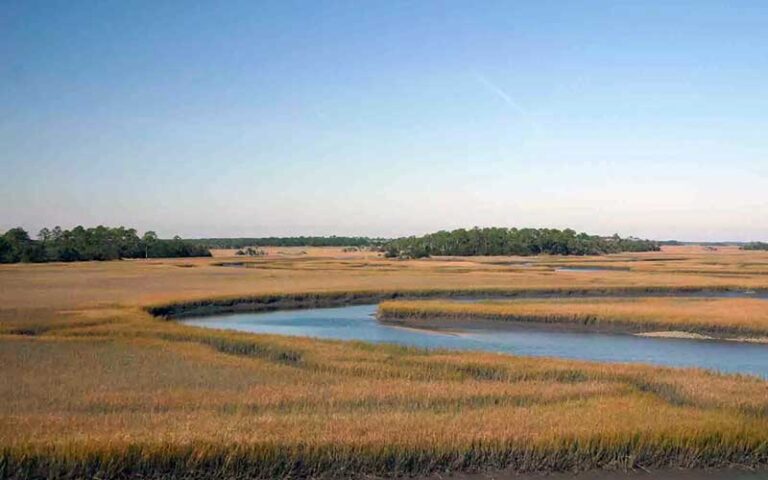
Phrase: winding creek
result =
(358, 322)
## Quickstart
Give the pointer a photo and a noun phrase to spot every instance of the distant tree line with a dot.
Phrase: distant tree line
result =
(755, 246)
(98, 243)
(332, 241)
(742, 245)
(513, 241)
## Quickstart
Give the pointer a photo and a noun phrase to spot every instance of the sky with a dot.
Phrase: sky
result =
(256, 118)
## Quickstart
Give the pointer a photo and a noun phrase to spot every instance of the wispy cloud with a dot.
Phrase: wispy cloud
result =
(496, 90)
(525, 116)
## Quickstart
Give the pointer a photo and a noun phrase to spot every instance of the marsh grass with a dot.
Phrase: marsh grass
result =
(235, 461)
(348, 411)
(94, 386)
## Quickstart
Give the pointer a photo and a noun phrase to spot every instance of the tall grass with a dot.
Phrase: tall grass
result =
(702, 449)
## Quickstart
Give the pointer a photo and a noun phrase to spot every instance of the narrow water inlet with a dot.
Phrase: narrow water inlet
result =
(358, 322)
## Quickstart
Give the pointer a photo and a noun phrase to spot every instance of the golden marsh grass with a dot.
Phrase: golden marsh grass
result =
(92, 385)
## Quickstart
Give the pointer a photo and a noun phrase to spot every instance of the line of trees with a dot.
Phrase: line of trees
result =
(97, 243)
(513, 241)
(755, 246)
(105, 243)
(332, 241)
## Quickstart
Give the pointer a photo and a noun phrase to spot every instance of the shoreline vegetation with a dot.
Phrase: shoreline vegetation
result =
(94, 385)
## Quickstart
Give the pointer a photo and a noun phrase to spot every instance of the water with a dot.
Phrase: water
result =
(358, 323)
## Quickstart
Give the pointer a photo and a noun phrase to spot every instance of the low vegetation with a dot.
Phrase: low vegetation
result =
(513, 241)
(755, 246)
(331, 241)
(94, 386)
(722, 317)
(98, 243)
(250, 252)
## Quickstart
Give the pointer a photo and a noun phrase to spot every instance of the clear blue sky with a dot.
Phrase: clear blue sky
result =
(386, 118)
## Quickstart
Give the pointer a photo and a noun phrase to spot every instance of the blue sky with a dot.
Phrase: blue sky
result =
(386, 118)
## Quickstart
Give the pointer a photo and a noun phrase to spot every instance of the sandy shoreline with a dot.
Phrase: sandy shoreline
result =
(699, 336)
(676, 334)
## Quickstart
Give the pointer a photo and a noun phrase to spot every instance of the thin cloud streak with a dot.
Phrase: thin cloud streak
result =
(495, 89)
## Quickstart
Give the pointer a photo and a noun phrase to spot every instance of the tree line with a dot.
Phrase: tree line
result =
(332, 241)
(513, 241)
(105, 243)
(97, 243)
(755, 246)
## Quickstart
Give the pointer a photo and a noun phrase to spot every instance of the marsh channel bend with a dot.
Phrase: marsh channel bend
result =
(359, 323)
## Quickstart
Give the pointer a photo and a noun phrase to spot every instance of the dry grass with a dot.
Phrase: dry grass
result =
(722, 317)
(91, 385)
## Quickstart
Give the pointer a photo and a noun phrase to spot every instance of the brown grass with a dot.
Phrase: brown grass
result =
(91, 385)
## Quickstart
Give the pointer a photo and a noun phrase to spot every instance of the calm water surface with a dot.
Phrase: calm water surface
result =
(358, 323)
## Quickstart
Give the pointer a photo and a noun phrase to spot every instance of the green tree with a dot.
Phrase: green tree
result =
(149, 240)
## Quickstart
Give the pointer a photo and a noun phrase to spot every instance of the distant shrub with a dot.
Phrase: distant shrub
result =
(251, 252)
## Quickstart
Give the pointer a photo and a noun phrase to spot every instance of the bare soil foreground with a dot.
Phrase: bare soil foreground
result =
(93, 385)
